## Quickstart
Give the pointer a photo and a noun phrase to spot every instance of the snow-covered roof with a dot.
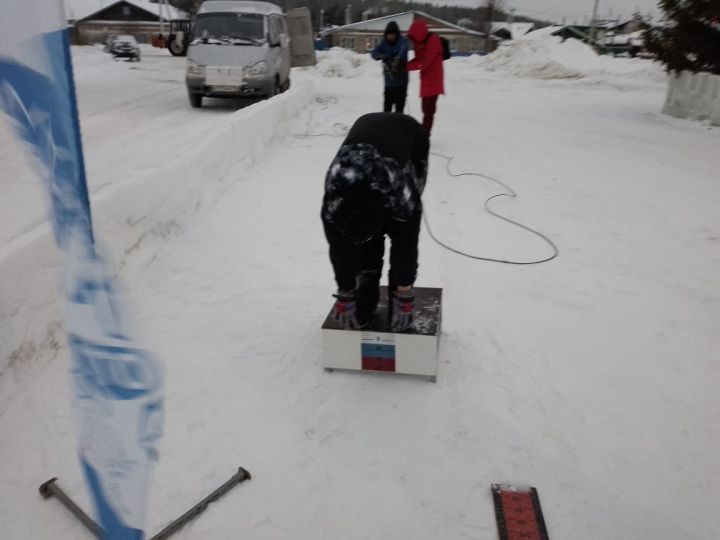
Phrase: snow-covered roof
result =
(83, 9)
(516, 29)
(233, 6)
(403, 20)
(607, 24)
(541, 33)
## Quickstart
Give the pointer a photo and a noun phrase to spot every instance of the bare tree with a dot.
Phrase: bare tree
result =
(491, 7)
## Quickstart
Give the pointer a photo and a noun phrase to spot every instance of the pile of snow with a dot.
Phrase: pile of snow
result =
(344, 63)
(551, 58)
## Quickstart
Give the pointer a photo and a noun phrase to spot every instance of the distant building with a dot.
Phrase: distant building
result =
(140, 18)
(504, 30)
(604, 30)
(619, 28)
(363, 36)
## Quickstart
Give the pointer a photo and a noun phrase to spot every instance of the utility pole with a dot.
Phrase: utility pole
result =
(490, 13)
(162, 20)
(591, 33)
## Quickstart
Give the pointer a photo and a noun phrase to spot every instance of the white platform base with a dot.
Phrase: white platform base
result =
(376, 349)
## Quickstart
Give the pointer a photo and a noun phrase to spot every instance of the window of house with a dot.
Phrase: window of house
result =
(453, 45)
(347, 42)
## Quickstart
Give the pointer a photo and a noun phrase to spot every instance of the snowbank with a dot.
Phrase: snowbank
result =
(551, 58)
(339, 62)
(131, 214)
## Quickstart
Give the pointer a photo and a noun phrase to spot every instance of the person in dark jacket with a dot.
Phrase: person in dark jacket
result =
(429, 61)
(373, 189)
(393, 51)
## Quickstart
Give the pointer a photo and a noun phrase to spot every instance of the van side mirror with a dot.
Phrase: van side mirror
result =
(273, 42)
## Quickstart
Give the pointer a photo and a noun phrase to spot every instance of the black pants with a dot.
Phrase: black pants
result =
(395, 95)
(429, 106)
(359, 266)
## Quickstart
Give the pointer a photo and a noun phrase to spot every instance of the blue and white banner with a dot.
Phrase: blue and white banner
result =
(118, 387)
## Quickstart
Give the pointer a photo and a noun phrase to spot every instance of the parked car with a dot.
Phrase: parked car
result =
(125, 46)
(242, 48)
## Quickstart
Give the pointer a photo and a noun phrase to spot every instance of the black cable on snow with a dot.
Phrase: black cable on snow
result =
(510, 192)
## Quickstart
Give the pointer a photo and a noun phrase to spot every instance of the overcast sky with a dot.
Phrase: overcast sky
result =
(550, 10)
(555, 10)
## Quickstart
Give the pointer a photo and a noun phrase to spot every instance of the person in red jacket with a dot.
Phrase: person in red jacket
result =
(429, 60)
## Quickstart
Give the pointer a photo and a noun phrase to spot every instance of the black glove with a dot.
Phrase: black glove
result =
(395, 66)
(344, 310)
(403, 309)
(387, 68)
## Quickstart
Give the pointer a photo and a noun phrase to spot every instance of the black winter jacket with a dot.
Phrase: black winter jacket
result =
(388, 152)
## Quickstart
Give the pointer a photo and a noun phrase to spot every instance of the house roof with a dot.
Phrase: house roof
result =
(87, 9)
(233, 6)
(622, 24)
(541, 33)
(515, 29)
(404, 20)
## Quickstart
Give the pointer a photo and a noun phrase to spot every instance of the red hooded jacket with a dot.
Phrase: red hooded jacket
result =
(428, 59)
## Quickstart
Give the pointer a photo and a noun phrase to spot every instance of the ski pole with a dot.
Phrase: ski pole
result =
(200, 507)
(51, 489)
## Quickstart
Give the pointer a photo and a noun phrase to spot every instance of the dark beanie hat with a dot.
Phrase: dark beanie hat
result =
(392, 28)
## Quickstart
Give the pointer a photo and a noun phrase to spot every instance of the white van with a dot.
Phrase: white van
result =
(241, 48)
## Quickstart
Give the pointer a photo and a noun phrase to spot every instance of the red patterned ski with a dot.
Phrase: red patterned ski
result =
(518, 512)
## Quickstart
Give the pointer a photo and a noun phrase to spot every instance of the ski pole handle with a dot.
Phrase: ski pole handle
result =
(52, 489)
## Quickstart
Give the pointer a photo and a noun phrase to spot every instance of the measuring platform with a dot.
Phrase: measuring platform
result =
(377, 349)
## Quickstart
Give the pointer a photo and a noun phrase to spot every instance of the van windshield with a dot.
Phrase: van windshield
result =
(230, 27)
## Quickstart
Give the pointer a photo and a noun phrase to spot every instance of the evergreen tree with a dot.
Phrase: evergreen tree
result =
(689, 39)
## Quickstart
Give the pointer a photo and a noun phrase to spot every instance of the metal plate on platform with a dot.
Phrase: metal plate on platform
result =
(427, 313)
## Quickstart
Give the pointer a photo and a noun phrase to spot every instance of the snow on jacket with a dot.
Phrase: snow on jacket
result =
(428, 59)
(394, 57)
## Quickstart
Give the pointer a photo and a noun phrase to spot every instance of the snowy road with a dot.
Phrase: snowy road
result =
(135, 118)
(593, 377)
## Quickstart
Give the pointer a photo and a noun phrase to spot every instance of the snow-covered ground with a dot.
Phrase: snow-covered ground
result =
(593, 377)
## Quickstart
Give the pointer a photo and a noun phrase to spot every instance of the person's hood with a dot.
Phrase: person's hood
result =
(418, 31)
(392, 28)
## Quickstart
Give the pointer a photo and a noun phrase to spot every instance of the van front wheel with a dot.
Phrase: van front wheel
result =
(195, 99)
(274, 89)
